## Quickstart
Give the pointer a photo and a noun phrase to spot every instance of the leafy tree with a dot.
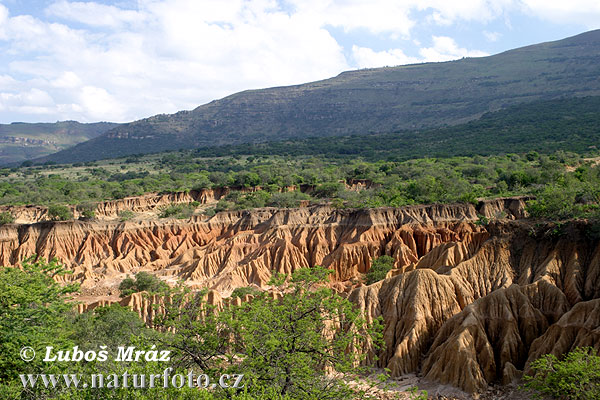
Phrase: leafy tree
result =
(379, 268)
(58, 212)
(6, 218)
(287, 199)
(33, 309)
(577, 376)
(287, 342)
(87, 210)
(180, 211)
(244, 291)
(126, 215)
(193, 327)
(143, 282)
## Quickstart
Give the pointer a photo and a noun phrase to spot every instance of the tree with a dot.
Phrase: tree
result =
(194, 329)
(58, 212)
(6, 218)
(33, 308)
(577, 376)
(143, 282)
(288, 342)
(379, 268)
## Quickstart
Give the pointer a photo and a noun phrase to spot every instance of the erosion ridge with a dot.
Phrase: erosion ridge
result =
(488, 297)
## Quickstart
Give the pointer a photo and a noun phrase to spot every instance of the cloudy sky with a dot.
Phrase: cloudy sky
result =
(125, 59)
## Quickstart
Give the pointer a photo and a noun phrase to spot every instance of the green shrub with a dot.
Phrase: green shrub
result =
(6, 218)
(379, 268)
(329, 189)
(87, 210)
(180, 211)
(577, 376)
(58, 212)
(224, 205)
(210, 212)
(241, 292)
(126, 215)
(287, 199)
(144, 282)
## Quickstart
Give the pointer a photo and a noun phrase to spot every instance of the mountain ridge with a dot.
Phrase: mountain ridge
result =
(381, 100)
(20, 141)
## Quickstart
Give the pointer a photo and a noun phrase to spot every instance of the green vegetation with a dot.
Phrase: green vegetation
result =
(58, 212)
(32, 309)
(244, 291)
(565, 184)
(545, 126)
(6, 218)
(283, 345)
(143, 282)
(87, 210)
(576, 376)
(180, 211)
(380, 266)
(126, 215)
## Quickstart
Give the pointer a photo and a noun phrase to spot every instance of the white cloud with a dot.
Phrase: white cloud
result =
(586, 12)
(492, 36)
(166, 55)
(368, 58)
(445, 49)
(170, 56)
(33, 101)
(93, 14)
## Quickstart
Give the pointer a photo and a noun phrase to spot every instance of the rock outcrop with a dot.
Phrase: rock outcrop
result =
(468, 302)
(484, 317)
(240, 248)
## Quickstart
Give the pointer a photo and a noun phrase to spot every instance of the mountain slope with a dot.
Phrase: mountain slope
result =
(22, 141)
(360, 102)
(571, 124)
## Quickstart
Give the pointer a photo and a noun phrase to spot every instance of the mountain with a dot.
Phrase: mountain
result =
(568, 124)
(22, 141)
(382, 100)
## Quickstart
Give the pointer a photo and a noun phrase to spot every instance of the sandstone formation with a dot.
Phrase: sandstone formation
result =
(468, 302)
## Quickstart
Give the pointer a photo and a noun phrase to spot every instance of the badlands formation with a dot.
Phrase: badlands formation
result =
(468, 304)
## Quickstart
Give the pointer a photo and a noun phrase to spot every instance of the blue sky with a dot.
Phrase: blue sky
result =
(124, 60)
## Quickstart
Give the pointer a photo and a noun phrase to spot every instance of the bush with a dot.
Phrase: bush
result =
(577, 376)
(330, 189)
(126, 215)
(6, 218)
(87, 210)
(144, 282)
(242, 292)
(58, 212)
(287, 199)
(180, 211)
(379, 269)
(210, 212)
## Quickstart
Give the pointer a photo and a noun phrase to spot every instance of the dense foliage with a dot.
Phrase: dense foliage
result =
(143, 282)
(379, 268)
(381, 183)
(575, 377)
(283, 344)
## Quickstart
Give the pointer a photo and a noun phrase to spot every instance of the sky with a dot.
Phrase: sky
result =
(128, 59)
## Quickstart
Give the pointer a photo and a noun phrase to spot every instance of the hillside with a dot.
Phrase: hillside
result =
(23, 141)
(543, 126)
(383, 100)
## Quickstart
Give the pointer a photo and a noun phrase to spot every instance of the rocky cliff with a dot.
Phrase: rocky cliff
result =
(468, 303)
